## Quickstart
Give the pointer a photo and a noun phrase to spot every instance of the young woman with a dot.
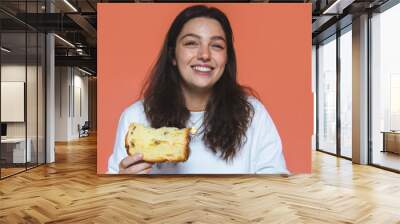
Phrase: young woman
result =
(194, 84)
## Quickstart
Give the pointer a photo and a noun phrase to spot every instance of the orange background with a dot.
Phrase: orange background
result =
(273, 48)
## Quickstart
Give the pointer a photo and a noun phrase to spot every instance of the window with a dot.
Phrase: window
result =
(327, 95)
(346, 92)
(385, 87)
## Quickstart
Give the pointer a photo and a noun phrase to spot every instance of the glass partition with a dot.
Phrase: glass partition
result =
(13, 103)
(22, 89)
(31, 100)
(41, 107)
(346, 93)
(327, 95)
(385, 89)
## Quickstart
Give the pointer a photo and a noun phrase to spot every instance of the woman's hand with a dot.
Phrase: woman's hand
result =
(134, 165)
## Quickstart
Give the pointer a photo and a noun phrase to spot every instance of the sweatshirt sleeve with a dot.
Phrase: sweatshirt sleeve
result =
(119, 151)
(268, 157)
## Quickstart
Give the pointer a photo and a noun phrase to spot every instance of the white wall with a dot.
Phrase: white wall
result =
(62, 78)
(71, 94)
(80, 109)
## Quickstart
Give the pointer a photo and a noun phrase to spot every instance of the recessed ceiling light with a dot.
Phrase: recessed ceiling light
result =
(5, 50)
(84, 71)
(337, 7)
(64, 40)
(71, 6)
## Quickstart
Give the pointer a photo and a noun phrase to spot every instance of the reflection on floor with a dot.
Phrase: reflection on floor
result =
(10, 169)
(386, 159)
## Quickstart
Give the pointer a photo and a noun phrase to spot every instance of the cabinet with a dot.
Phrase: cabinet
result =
(13, 150)
(391, 141)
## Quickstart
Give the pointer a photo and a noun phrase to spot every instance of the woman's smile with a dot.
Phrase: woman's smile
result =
(202, 70)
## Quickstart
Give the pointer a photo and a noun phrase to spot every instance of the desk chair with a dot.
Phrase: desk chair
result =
(84, 130)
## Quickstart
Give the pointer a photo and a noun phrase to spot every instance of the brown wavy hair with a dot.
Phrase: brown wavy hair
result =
(228, 113)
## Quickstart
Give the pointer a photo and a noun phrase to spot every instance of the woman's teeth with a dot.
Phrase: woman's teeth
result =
(202, 68)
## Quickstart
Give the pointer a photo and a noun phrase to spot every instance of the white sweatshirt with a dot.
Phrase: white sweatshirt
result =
(261, 153)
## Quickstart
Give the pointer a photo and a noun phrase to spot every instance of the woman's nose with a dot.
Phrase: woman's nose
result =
(204, 53)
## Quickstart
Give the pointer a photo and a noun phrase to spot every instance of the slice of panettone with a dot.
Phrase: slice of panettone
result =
(165, 144)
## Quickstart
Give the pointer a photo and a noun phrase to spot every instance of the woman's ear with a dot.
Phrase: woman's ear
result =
(173, 62)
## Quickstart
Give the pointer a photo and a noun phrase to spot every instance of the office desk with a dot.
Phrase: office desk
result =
(391, 141)
(15, 148)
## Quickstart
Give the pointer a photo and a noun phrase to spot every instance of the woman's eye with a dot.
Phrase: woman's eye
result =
(190, 43)
(218, 46)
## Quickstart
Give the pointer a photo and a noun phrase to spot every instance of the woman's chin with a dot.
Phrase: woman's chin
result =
(201, 86)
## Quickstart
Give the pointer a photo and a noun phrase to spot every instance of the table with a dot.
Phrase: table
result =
(15, 148)
(391, 141)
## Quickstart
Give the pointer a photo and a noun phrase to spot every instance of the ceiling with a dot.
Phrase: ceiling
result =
(76, 22)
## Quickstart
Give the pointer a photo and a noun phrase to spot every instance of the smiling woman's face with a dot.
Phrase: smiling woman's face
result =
(201, 53)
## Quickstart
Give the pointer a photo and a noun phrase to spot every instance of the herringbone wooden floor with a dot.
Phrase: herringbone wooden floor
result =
(69, 191)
